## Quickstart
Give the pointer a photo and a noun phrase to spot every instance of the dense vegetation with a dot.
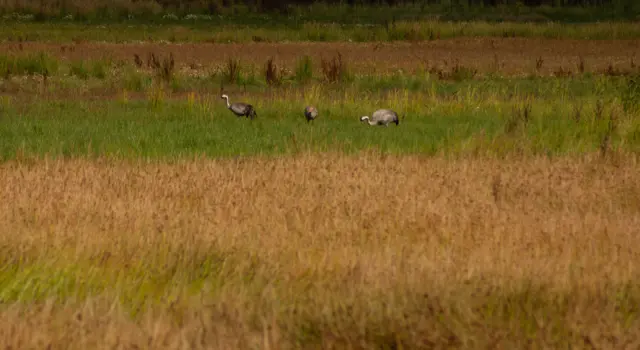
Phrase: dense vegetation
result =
(279, 12)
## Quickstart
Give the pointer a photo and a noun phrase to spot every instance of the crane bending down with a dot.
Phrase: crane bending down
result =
(310, 113)
(241, 109)
(382, 117)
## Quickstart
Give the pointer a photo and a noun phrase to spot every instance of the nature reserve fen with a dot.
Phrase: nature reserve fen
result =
(502, 210)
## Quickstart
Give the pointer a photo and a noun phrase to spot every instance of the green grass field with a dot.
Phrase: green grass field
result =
(146, 115)
(498, 117)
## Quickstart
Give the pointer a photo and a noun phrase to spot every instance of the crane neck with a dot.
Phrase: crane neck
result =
(227, 99)
(369, 121)
(366, 118)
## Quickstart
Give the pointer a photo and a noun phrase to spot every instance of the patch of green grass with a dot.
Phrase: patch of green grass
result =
(304, 69)
(143, 281)
(181, 281)
(39, 63)
(161, 127)
(479, 115)
(79, 69)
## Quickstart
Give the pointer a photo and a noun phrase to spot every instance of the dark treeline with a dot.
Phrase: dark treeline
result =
(118, 9)
(265, 4)
(283, 4)
(552, 3)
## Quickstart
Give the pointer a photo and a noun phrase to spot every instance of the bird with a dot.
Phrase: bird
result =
(310, 113)
(382, 117)
(241, 109)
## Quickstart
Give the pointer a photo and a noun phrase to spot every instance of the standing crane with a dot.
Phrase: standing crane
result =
(310, 113)
(382, 117)
(241, 109)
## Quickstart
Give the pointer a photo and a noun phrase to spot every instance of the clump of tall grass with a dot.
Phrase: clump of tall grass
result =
(581, 65)
(577, 113)
(457, 73)
(99, 69)
(231, 71)
(599, 110)
(39, 63)
(137, 60)
(156, 97)
(613, 71)
(605, 144)
(84, 70)
(79, 69)
(5, 104)
(133, 80)
(304, 69)
(539, 63)
(334, 70)
(519, 119)
(460, 72)
(630, 95)
(562, 72)
(271, 74)
(163, 68)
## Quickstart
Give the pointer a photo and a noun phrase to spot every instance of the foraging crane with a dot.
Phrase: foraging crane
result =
(240, 109)
(310, 113)
(382, 117)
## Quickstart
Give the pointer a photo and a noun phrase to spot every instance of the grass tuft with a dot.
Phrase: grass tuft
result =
(631, 94)
(163, 68)
(39, 63)
(539, 64)
(605, 144)
(460, 73)
(520, 117)
(271, 73)
(334, 70)
(232, 71)
(79, 69)
(304, 69)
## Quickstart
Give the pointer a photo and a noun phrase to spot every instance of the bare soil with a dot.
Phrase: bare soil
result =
(512, 56)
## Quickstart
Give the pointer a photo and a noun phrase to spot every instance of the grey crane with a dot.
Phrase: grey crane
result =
(241, 109)
(310, 113)
(382, 117)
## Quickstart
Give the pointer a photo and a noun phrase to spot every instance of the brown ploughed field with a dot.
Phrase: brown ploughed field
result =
(511, 56)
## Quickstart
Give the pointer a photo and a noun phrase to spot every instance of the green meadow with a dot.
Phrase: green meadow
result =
(451, 119)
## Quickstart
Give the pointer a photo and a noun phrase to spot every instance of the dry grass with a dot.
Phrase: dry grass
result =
(328, 250)
(163, 69)
(271, 73)
(334, 70)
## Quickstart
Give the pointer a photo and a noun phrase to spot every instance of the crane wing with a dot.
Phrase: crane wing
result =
(384, 115)
(239, 108)
(310, 112)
